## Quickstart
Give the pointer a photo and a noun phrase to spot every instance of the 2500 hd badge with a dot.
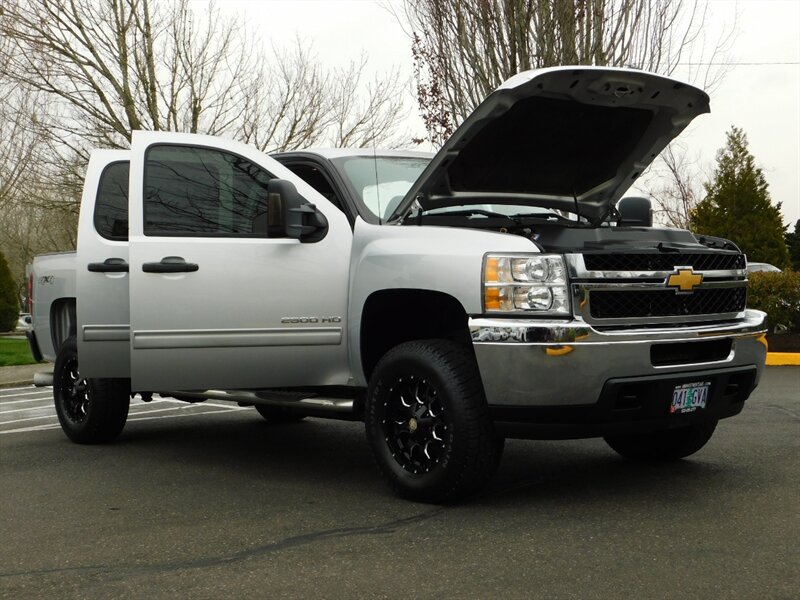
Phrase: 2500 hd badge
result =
(311, 319)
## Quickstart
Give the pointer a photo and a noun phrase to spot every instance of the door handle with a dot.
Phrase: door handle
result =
(170, 264)
(109, 265)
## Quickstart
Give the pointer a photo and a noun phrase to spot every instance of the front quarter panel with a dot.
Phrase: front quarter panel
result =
(440, 259)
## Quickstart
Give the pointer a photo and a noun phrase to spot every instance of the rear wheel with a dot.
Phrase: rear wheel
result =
(90, 411)
(669, 444)
(279, 414)
(428, 424)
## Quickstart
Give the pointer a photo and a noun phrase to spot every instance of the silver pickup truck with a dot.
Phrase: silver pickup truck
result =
(500, 288)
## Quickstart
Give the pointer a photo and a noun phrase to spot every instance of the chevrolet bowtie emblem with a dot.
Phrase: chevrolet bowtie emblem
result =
(684, 279)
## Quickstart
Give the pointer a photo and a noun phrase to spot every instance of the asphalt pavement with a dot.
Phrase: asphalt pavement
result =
(210, 501)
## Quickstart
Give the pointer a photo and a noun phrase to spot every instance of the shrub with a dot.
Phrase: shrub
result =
(778, 295)
(9, 303)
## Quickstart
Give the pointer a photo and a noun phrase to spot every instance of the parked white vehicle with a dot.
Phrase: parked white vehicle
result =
(759, 267)
(24, 322)
(497, 289)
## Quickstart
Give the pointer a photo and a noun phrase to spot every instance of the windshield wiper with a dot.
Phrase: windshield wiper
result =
(467, 212)
(550, 218)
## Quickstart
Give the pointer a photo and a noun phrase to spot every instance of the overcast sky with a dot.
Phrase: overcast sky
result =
(759, 93)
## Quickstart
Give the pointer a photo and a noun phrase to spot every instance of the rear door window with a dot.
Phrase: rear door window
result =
(111, 204)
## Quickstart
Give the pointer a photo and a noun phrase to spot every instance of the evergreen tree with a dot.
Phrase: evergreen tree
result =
(793, 245)
(9, 303)
(737, 205)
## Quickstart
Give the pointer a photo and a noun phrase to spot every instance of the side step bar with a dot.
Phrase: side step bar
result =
(307, 403)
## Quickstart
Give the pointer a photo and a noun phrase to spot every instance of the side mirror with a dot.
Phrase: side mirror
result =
(635, 212)
(299, 218)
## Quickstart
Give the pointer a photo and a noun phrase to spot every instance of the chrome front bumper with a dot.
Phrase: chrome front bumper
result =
(529, 363)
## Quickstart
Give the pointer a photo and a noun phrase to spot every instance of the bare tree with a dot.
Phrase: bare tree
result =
(463, 50)
(24, 142)
(115, 66)
(30, 229)
(302, 105)
(118, 66)
(675, 186)
(81, 74)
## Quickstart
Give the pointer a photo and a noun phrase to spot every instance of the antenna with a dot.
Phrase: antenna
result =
(377, 185)
(575, 198)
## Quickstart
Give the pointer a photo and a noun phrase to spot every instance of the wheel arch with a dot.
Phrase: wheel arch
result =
(63, 321)
(393, 316)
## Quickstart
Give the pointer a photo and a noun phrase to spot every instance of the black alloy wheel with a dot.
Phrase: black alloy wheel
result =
(415, 426)
(90, 411)
(73, 392)
(428, 424)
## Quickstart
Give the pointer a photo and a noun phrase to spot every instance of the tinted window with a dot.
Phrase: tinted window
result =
(111, 206)
(202, 192)
(316, 179)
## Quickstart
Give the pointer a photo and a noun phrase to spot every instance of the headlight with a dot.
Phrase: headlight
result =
(532, 283)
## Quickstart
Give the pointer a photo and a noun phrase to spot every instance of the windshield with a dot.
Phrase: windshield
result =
(381, 182)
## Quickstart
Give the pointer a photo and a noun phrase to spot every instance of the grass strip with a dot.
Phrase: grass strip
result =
(15, 352)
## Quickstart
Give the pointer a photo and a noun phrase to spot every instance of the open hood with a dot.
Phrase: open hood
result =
(549, 136)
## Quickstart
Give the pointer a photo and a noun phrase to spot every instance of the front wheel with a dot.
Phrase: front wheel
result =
(666, 445)
(427, 422)
(90, 411)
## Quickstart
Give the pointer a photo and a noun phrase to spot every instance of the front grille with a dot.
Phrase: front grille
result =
(613, 304)
(663, 262)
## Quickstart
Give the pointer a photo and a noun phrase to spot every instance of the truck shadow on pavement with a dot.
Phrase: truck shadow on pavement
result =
(316, 454)
(587, 472)
(312, 452)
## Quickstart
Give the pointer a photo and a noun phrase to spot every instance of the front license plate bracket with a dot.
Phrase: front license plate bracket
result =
(689, 397)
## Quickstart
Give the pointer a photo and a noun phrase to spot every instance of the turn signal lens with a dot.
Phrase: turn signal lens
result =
(491, 298)
(498, 298)
(496, 270)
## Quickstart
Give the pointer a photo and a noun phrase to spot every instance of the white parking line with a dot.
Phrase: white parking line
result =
(14, 401)
(49, 399)
(146, 411)
(26, 409)
(197, 414)
(30, 393)
(208, 403)
(53, 416)
(27, 429)
(27, 387)
(158, 410)
(57, 426)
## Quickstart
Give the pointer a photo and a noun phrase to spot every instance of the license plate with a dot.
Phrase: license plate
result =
(688, 397)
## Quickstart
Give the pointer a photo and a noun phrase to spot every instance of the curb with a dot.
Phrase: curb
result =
(25, 375)
(13, 384)
(783, 359)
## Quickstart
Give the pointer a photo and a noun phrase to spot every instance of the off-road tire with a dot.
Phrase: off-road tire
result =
(439, 379)
(279, 414)
(91, 411)
(665, 445)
